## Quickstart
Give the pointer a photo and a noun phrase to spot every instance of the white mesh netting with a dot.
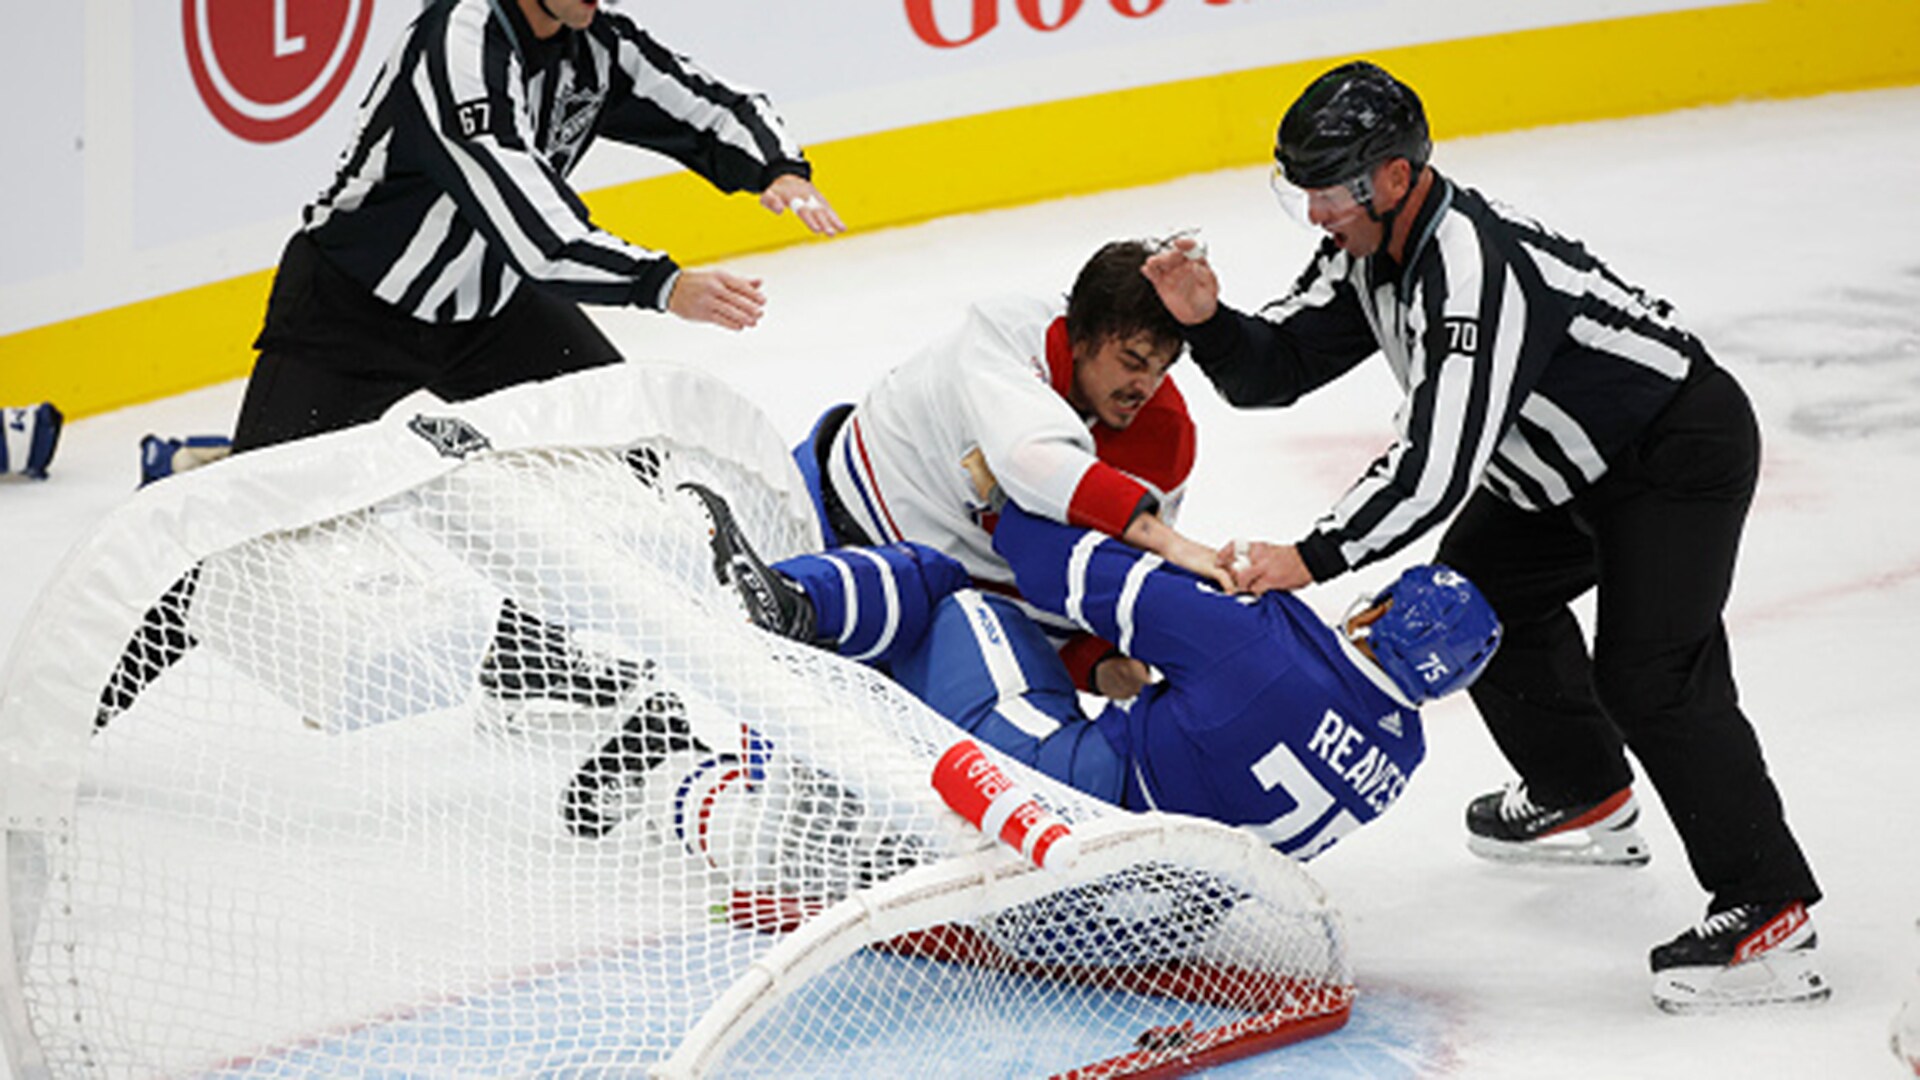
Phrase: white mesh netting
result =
(490, 776)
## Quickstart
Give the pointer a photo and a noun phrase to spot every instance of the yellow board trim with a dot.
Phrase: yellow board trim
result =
(1590, 71)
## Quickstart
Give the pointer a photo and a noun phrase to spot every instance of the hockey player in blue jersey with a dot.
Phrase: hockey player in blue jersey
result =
(1265, 718)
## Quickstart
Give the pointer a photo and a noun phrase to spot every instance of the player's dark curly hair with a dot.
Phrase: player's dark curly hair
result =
(1112, 298)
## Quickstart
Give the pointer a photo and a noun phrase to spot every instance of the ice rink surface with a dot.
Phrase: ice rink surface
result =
(1784, 233)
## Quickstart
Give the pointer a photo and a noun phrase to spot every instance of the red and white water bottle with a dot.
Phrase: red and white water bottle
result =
(977, 790)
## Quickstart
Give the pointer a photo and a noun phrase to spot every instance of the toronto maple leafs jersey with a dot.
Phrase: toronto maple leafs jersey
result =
(1266, 717)
(453, 190)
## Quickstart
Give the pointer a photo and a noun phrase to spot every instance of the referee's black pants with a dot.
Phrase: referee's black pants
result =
(1657, 537)
(333, 355)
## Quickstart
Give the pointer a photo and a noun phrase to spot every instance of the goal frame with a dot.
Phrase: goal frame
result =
(995, 878)
(50, 684)
(100, 595)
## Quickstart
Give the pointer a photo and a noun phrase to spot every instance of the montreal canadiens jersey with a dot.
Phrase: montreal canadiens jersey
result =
(980, 417)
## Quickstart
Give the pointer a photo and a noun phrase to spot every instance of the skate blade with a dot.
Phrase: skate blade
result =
(537, 719)
(1788, 979)
(1576, 847)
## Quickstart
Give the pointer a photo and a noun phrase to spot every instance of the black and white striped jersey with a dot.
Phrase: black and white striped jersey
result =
(453, 190)
(1528, 366)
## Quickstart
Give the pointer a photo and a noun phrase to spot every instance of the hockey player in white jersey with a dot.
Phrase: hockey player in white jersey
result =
(1066, 410)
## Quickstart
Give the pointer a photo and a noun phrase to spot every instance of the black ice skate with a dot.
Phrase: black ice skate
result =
(1507, 826)
(773, 602)
(831, 842)
(534, 667)
(608, 787)
(1753, 954)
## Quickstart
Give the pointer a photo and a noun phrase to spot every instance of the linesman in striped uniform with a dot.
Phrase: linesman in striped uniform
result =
(1585, 440)
(449, 252)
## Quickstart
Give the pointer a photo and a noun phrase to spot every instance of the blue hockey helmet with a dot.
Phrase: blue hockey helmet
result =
(1436, 636)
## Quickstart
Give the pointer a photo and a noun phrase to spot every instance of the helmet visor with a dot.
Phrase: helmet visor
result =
(1318, 207)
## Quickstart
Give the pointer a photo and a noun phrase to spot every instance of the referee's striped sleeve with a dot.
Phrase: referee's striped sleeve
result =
(727, 134)
(1468, 366)
(468, 92)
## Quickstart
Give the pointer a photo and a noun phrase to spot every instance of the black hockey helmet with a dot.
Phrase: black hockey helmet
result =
(1348, 121)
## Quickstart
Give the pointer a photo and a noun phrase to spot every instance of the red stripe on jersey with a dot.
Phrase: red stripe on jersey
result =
(1105, 499)
(873, 484)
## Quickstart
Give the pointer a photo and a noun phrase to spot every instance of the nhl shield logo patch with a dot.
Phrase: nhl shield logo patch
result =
(450, 435)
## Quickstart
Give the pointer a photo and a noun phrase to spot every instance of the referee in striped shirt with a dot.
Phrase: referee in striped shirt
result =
(449, 252)
(1578, 437)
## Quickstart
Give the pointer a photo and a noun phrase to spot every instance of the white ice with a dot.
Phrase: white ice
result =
(1786, 234)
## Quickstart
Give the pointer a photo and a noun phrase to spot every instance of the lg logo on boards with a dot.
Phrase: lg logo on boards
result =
(267, 69)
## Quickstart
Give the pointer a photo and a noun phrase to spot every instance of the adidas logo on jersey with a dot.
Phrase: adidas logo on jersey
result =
(1392, 725)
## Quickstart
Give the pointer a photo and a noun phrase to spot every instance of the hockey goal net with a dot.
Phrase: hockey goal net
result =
(439, 748)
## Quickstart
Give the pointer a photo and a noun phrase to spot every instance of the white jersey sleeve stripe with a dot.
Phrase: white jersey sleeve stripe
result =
(1146, 790)
(1077, 576)
(520, 247)
(1640, 350)
(850, 595)
(1520, 453)
(680, 102)
(499, 177)
(426, 240)
(1130, 595)
(1570, 436)
(890, 597)
(1003, 667)
(463, 267)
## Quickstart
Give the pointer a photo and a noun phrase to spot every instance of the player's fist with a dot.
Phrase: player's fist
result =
(1121, 678)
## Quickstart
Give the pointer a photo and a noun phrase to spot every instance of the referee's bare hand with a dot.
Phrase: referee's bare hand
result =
(1185, 281)
(797, 193)
(717, 297)
(1260, 567)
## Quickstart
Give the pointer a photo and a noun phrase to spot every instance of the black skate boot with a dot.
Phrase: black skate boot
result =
(1752, 954)
(607, 788)
(533, 667)
(1507, 826)
(773, 602)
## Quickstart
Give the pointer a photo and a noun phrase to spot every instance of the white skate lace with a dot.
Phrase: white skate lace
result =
(1514, 804)
(1719, 922)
